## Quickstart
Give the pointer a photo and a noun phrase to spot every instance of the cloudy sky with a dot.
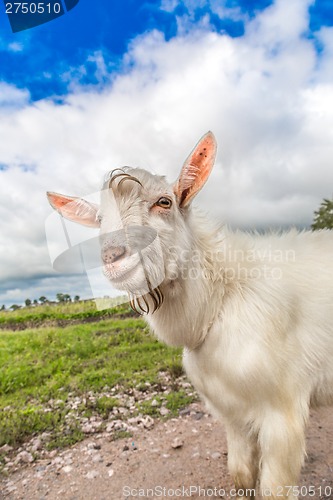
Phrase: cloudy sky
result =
(137, 83)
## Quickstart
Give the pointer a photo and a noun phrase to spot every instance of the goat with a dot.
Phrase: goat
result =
(254, 313)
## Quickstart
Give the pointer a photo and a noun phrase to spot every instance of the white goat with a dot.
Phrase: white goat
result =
(253, 313)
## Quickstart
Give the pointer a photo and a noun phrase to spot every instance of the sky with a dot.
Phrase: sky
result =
(138, 83)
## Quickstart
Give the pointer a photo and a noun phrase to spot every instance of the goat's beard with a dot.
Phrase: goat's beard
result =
(148, 303)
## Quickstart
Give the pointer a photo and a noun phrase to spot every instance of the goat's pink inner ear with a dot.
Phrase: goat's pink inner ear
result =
(75, 209)
(196, 169)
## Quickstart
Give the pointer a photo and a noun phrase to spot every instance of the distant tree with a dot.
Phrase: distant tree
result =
(14, 307)
(76, 298)
(35, 302)
(67, 297)
(60, 297)
(42, 299)
(323, 218)
(3, 307)
(27, 302)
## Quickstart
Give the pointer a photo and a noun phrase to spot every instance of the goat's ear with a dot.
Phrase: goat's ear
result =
(75, 209)
(196, 169)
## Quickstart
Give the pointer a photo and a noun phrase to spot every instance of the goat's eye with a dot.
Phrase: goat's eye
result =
(164, 202)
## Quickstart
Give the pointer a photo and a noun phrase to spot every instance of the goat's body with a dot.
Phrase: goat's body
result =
(253, 313)
(262, 352)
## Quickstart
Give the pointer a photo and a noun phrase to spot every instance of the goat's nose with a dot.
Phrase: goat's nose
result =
(112, 254)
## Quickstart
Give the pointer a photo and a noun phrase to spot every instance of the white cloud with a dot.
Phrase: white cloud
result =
(15, 47)
(219, 7)
(169, 5)
(325, 66)
(11, 96)
(22, 42)
(283, 22)
(267, 96)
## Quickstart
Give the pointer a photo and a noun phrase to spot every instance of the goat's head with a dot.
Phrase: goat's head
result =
(141, 217)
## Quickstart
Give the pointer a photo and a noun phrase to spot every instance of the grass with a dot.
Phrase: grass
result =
(175, 400)
(71, 311)
(44, 368)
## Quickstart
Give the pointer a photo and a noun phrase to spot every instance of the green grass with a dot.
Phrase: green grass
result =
(83, 310)
(177, 400)
(39, 365)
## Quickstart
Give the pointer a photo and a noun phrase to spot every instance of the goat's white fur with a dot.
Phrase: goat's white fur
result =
(256, 323)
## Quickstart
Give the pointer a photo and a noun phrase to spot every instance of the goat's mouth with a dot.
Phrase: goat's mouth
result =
(119, 274)
(138, 277)
(129, 276)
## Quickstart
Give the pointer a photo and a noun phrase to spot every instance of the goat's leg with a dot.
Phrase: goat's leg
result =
(242, 461)
(282, 444)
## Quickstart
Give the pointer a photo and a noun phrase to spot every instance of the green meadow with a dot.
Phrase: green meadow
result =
(52, 354)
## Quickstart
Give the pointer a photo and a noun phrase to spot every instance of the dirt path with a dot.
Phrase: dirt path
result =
(170, 458)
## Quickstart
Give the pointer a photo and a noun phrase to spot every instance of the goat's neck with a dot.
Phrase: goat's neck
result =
(188, 312)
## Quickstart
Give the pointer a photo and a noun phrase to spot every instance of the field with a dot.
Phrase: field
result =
(61, 365)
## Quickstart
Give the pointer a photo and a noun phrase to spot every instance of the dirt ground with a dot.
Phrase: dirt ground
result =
(181, 458)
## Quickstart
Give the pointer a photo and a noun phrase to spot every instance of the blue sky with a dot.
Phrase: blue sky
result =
(137, 83)
(39, 59)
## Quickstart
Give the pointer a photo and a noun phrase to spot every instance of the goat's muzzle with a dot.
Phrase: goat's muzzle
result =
(128, 255)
